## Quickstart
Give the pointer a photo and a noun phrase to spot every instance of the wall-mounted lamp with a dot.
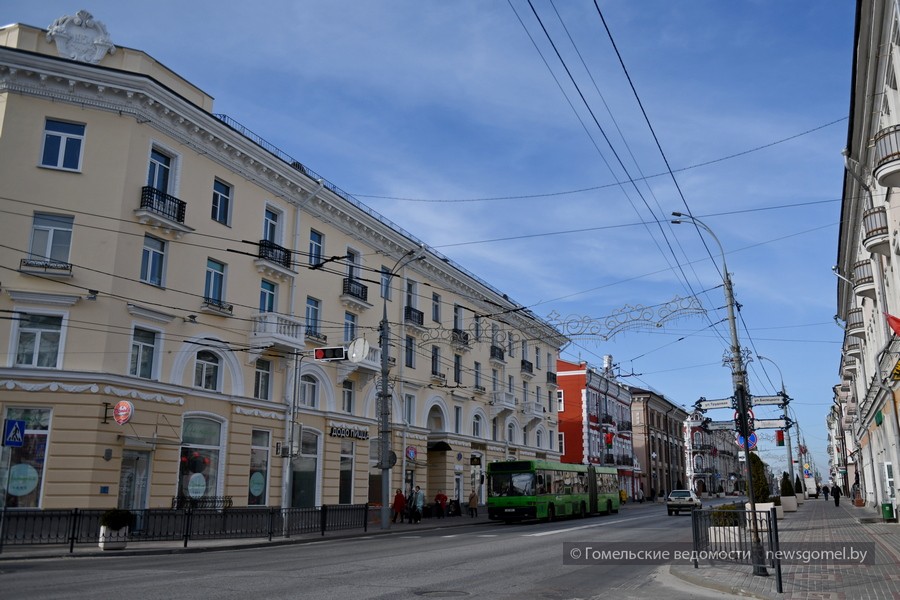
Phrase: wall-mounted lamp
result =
(190, 319)
(107, 454)
(837, 273)
(92, 295)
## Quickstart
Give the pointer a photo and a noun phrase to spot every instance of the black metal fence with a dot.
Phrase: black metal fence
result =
(728, 533)
(23, 527)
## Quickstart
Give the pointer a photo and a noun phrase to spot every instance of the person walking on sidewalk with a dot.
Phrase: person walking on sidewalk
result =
(399, 506)
(418, 504)
(825, 491)
(473, 504)
(836, 493)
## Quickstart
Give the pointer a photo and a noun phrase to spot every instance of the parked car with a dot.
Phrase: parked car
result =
(680, 500)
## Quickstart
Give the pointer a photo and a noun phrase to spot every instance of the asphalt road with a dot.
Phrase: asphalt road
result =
(497, 561)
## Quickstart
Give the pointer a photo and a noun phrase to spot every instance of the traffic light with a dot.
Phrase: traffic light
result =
(330, 353)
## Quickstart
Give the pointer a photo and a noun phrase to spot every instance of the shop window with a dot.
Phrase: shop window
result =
(259, 468)
(25, 477)
(201, 449)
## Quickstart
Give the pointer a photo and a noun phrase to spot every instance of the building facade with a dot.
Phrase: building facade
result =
(659, 441)
(595, 421)
(713, 465)
(168, 278)
(868, 274)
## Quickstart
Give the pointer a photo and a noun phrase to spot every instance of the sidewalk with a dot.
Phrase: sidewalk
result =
(818, 525)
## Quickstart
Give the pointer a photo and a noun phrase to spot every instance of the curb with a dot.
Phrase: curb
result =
(705, 583)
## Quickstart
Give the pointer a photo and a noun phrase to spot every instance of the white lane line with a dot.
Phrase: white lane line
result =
(555, 531)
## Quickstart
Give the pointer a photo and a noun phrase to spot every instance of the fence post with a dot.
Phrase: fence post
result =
(366, 518)
(188, 514)
(73, 532)
(695, 517)
(271, 521)
(774, 546)
(2, 525)
(324, 516)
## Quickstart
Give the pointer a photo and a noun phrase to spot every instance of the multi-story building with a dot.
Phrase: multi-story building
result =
(868, 285)
(713, 464)
(595, 421)
(659, 440)
(167, 277)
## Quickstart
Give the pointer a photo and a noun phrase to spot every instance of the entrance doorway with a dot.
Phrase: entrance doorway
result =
(134, 484)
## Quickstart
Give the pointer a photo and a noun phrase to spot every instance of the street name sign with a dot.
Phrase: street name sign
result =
(770, 424)
(709, 404)
(720, 425)
(765, 400)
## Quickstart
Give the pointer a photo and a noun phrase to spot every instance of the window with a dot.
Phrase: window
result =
(477, 426)
(262, 379)
(160, 170)
(560, 401)
(436, 308)
(495, 380)
(214, 292)
(267, 292)
(478, 374)
(312, 316)
(457, 317)
(511, 433)
(524, 392)
(201, 447)
(494, 429)
(63, 145)
(345, 479)
(316, 247)
(457, 369)
(562, 442)
(221, 202)
(352, 264)
(477, 328)
(206, 371)
(143, 353)
(457, 419)
(385, 283)
(51, 237)
(435, 360)
(539, 438)
(259, 468)
(27, 462)
(409, 406)
(510, 384)
(39, 341)
(411, 293)
(410, 352)
(537, 358)
(349, 327)
(347, 396)
(306, 468)
(309, 391)
(153, 261)
(537, 397)
(271, 226)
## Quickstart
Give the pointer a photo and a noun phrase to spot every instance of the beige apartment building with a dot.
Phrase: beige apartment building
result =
(166, 278)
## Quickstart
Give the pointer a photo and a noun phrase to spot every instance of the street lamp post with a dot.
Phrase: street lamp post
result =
(787, 421)
(739, 380)
(384, 404)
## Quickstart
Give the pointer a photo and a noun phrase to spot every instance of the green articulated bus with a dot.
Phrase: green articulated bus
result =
(537, 489)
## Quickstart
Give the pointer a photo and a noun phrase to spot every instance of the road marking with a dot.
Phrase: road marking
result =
(554, 532)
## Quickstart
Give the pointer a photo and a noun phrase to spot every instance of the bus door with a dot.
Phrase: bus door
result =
(592, 489)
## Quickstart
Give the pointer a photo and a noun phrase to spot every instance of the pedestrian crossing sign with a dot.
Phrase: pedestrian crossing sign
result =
(13, 433)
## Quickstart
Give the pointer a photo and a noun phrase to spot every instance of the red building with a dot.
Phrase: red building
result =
(594, 412)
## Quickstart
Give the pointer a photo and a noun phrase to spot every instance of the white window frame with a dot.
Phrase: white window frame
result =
(348, 396)
(436, 307)
(262, 377)
(457, 317)
(409, 408)
(316, 247)
(354, 264)
(309, 391)
(171, 183)
(267, 296)
(409, 352)
(477, 426)
(350, 326)
(17, 330)
(272, 225)
(151, 258)
(222, 202)
(262, 450)
(65, 138)
(55, 226)
(203, 368)
(560, 401)
(386, 283)
(141, 350)
(215, 281)
(313, 315)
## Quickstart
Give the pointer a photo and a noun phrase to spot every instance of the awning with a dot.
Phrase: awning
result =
(438, 447)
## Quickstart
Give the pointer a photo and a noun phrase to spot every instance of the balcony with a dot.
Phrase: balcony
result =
(532, 411)
(607, 420)
(887, 156)
(855, 326)
(625, 426)
(45, 267)
(438, 377)
(853, 349)
(876, 236)
(414, 317)
(527, 369)
(370, 365)
(852, 408)
(354, 295)
(551, 378)
(479, 389)
(863, 279)
(271, 330)
(315, 336)
(609, 459)
(274, 261)
(501, 403)
(497, 354)
(459, 339)
(161, 211)
(217, 306)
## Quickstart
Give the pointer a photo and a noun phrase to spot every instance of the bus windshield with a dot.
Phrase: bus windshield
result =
(511, 484)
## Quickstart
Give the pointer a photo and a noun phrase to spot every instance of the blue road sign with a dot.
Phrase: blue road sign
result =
(13, 433)
(751, 441)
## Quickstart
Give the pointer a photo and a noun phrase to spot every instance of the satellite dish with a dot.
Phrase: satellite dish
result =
(358, 350)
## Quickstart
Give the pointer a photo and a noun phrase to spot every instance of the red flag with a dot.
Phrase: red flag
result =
(893, 323)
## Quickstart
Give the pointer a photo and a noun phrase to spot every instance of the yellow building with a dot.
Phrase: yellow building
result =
(166, 269)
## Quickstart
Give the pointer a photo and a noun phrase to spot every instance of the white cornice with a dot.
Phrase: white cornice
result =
(43, 298)
(143, 312)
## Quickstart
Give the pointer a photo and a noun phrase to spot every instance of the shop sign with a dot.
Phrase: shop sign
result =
(339, 431)
(123, 411)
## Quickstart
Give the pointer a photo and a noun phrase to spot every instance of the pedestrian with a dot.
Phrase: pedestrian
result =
(836, 492)
(398, 506)
(418, 504)
(473, 504)
(640, 495)
(825, 491)
(440, 504)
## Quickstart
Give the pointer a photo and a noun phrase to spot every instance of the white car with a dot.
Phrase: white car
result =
(680, 500)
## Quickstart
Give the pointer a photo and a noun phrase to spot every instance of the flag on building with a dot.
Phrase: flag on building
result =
(893, 323)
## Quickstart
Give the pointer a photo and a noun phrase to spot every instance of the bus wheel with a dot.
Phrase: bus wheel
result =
(583, 511)
(551, 513)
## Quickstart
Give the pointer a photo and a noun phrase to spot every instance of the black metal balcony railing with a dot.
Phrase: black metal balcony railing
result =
(527, 367)
(45, 265)
(274, 253)
(551, 378)
(163, 204)
(313, 334)
(624, 425)
(607, 419)
(458, 336)
(413, 316)
(609, 459)
(497, 353)
(352, 287)
(218, 304)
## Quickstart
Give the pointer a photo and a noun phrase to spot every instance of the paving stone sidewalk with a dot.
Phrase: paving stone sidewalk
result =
(817, 525)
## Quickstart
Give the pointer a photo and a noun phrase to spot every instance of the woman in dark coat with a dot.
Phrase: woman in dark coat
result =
(836, 493)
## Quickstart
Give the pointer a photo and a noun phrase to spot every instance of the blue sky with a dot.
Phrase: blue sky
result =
(458, 121)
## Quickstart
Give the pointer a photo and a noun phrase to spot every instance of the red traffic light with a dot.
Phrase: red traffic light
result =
(330, 353)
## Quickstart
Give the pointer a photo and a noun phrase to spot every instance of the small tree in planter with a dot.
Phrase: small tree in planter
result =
(798, 490)
(725, 525)
(114, 525)
(788, 498)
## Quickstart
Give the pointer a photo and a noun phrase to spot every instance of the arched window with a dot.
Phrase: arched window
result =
(206, 370)
(539, 438)
(309, 391)
(476, 426)
(511, 433)
(698, 438)
(201, 447)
